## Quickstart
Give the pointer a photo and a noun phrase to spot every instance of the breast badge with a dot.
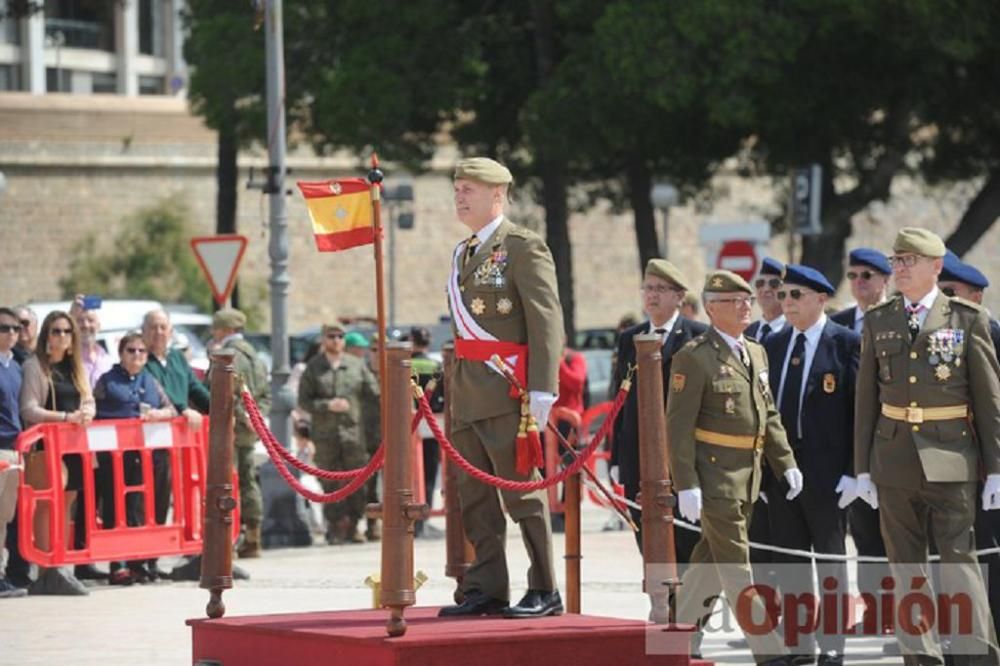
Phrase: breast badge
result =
(730, 405)
(944, 346)
(490, 273)
(504, 306)
(677, 384)
(829, 383)
(478, 306)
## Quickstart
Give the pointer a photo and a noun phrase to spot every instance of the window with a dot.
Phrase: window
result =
(151, 27)
(10, 77)
(84, 24)
(104, 82)
(151, 85)
(9, 34)
(58, 80)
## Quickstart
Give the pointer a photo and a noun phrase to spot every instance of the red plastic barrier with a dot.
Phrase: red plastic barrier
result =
(554, 452)
(182, 532)
(591, 421)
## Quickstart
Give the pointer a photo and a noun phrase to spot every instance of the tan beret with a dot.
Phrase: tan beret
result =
(919, 241)
(484, 170)
(333, 324)
(229, 318)
(662, 268)
(725, 281)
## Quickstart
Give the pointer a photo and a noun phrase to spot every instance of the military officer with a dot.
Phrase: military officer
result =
(503, 299)
(663, 289)
(227, 331)
(814, 364)
(927, 414)
(342, 396)
(721, 423)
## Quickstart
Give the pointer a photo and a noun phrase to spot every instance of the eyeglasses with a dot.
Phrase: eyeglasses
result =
(334, 336)
(908, 260)
(60, 331)
(794, 294)
(947, 291)
(738, 300)
(864, 275)
(773, 283)
(10, 328)
(136, 350)
(657, 289)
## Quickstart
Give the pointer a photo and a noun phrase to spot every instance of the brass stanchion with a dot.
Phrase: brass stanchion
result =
(658, 554)
(398, 508)
(217, 547)
(458, 550)
(573, 554)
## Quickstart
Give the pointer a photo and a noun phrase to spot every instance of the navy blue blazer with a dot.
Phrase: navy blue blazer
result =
(845, 317)
(625, 438)
(826, 451)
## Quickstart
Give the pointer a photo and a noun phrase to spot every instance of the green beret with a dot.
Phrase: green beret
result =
(662, 268)
(725, 281)
(919, 241)
(229, 318)
(355, 339)
(484, 170)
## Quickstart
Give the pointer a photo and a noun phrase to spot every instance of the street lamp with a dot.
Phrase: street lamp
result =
(663, 195)
(399, 202)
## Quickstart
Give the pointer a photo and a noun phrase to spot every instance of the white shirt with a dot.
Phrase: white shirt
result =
(734, 343)
(6, 358)
(927, 301)
(812, 335)
(484, 234)
(859, 319)
(667, 327)
(776, 325)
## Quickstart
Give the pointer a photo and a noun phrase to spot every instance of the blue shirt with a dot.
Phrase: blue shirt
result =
(119, 395)
(10, 408)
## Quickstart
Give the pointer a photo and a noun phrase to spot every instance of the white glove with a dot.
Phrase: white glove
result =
(540, 405)
(763, 496)
(848, 489)
(991, 492)
(794, 479)
(866, 490)
(613, 473)
(689, 504)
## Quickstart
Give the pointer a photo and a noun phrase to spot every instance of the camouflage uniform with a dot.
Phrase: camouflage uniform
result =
(253, 372)
(341, 438)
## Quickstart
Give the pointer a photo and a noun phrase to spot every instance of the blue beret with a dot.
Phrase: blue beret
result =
(956, 270)
(808, 277)
(866, 256)
(771, 267)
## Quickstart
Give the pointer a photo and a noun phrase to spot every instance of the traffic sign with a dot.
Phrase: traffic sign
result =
(807, 204)
(738, 256)
(219, 258)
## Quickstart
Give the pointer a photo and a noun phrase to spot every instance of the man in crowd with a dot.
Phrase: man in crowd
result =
(721, 423)
(342, 396)
(868, 272)
(504, 300)
(227, 333)
(928, 372)
(427, 368)
(28, 336)
(813, 366)
(663, 290)
(10, 428)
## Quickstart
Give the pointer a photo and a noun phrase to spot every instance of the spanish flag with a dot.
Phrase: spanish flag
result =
(341, 212)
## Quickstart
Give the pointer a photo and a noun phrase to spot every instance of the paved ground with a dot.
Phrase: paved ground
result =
(145, 624)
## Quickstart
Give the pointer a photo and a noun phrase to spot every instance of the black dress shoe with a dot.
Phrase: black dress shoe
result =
(536, 603)
(831, 659)
(474, 605)
(89, 572)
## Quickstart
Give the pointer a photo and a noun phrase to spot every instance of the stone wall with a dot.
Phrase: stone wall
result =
(77, 166)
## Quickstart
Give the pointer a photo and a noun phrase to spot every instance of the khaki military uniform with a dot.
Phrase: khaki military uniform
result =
(923, 452)
(254, 373)
(341, 439)
(509, 288)
(721, 424)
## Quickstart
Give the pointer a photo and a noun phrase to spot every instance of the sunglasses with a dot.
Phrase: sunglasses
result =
(864, 275)
(334, 336)
(773, 283)
(26, 323)
(60, 331)
(10, 328)
(947, 291)
(794, 294)
(135, 350)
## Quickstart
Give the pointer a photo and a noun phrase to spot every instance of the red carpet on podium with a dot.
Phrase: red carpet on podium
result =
(358, 638)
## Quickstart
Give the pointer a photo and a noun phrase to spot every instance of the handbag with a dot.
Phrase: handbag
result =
(35, 473)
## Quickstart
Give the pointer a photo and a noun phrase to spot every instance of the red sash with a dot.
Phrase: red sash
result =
(483, 350)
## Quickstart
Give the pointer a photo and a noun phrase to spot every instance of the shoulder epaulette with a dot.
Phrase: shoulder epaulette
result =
(955, 300)
(696, 341)
(883, 304)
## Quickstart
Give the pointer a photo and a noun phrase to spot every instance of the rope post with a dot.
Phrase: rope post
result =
(573, 554)
(658, 554)
(458, 550)
(217, 550)
(398, 508)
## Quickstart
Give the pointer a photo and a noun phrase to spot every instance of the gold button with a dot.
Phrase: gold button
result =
(913, 380)
(964, 433)
(916, 428)
(913, 404)
(462, 288)
(711, 459)
(913, 354)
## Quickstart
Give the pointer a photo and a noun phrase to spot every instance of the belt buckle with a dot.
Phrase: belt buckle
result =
(914, 414)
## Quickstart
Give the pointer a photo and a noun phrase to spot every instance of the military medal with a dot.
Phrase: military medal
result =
(942, 372)
(490, 273)
(725, 371)
(504, 306)
(478, 306)
(730, 405)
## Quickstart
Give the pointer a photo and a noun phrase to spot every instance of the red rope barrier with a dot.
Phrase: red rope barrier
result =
(275, 449)
(424, 408)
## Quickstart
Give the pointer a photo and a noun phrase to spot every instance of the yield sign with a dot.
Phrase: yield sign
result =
(219, 258)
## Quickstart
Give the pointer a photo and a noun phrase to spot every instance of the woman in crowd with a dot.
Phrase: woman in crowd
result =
(55, 389)
(126, 392)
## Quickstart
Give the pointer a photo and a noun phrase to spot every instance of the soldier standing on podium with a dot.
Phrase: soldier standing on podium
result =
(503, 299)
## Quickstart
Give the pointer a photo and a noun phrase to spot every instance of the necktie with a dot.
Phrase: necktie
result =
(792, 389)
(765, 331)
(471, 246)
(662, 333)
(913, 319)
(741, 353)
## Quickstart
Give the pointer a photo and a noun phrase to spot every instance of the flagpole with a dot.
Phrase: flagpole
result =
(375, 177)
